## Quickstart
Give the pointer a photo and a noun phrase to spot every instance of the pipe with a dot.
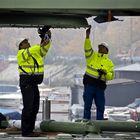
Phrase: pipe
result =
(118, 126)
(68, 127)
(46, 109)
(89, 127)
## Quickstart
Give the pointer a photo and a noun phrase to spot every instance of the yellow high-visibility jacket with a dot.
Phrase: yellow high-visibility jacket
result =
(26, 62)
(95, 61)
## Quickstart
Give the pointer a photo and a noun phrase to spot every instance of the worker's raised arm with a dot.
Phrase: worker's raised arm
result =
(87, 45)
(88, 32)
(45, 44)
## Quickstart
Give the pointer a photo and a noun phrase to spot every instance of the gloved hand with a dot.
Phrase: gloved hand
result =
(46, 39)
(47, 35)
(88, 32)
(101, 72)
(44, 42)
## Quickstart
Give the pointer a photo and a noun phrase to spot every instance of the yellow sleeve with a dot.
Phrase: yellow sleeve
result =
(44, 49)
(110, 72)
(88, 50)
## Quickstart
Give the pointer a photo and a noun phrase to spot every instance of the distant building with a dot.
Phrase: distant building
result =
(131, 71)
(121, 92)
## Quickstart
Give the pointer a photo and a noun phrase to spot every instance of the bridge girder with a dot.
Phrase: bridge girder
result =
(61, 13)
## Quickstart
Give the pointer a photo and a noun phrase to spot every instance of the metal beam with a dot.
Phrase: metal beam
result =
(26, 20)
(61, 13)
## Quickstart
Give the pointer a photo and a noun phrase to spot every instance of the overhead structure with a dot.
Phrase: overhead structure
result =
(61, 13)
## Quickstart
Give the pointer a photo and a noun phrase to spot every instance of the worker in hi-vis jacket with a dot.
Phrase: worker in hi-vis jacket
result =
(99, 69)
(31, 70)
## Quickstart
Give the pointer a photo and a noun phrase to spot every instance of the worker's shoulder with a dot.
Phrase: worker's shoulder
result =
(20, 51)
(110, 61)
(95, 53)
(34, 47)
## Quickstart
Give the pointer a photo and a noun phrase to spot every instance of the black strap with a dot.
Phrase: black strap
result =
(35, 64)
(22, 69)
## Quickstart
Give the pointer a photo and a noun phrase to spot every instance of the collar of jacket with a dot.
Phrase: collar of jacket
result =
(102, 55)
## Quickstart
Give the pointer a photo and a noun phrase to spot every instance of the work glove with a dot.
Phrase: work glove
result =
(88, 32)
(101, 72)
(47, 35)
(44, 42)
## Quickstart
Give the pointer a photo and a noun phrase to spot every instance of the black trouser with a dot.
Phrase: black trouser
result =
(31, 98)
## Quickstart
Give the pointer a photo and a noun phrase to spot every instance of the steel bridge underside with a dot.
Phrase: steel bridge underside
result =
(62, 13)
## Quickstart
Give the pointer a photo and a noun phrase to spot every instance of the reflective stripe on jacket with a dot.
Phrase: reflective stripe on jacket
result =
(26, 61)
(95, 61)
